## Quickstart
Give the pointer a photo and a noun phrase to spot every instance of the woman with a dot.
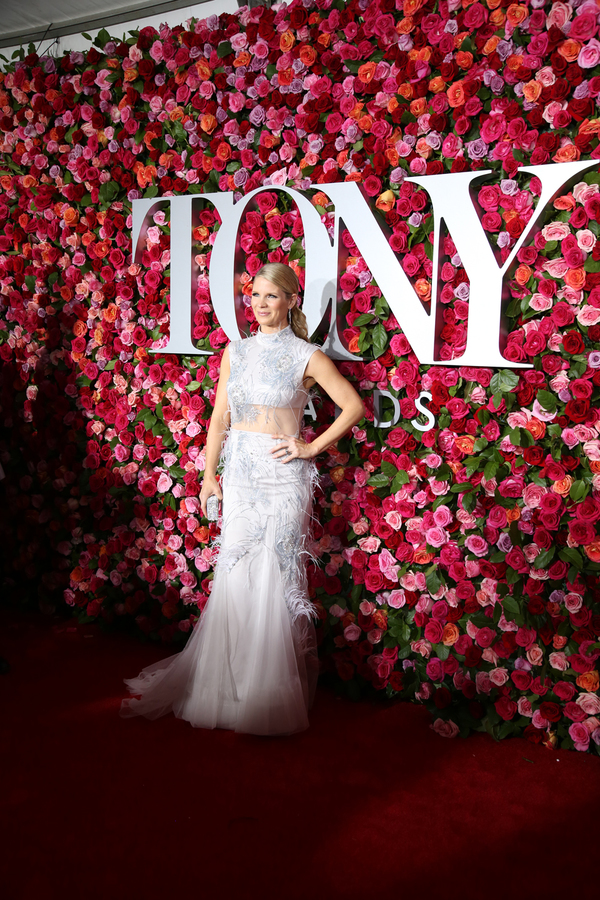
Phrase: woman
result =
(251, 664)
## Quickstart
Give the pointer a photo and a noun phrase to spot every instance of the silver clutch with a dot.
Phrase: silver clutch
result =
(212, 508)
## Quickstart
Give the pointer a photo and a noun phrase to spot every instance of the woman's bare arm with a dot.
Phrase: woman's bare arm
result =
(321, 369)
(219, 424)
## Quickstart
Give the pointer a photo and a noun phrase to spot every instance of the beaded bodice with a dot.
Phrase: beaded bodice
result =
(265, 389)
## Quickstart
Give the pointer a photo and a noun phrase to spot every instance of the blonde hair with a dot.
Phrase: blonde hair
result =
(285, 278)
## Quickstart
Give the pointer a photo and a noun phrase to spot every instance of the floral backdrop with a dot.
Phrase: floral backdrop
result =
(459, 566)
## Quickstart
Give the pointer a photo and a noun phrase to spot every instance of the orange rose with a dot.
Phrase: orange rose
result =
(308, 54)
(590, 126)
(208, 123)
(536, 428)
(386, 201)
(423, 148)
(423, 289)
(523, 274)
(563, 486)
(418, 107)
(490, 45)
(285, 76)
(286, 41)
(71, 216)
(592, 551)
(177, 114)
(568, 153)
(405, 90)
(493, 4)
(324, 39)
(422, 557)
(449, 634)
(99, 336)
(514, 514)
(405, 26)
(589, 681)
(575, 278)
(516, 14)
(567, 201)
(366, 72)
(514, 61)
(203, 69)
(353, 344)
(532, 90)
(595, 465)
(464, 59)
(365, 122)
(569, 49)
(202, 534)
(497, 18)
(391, 154)
(410, 7)
(242, 59)
(130, 75)
(337, 474)
(456, 94)
(465, 443)
(437, 84)
(79, 328)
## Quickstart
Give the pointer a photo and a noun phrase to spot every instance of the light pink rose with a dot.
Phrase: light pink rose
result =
(397, 599)
(436, 536)
(352, 632)
(164, 483)
(580, 736)
(559, 15)
(584, 192)
(590, 703)
(569, 438)
(442, 516)
(573, 602)
(483, 683)
(589, 55)
(369, 544)
(524, 707)
(422, 647)
(556, 268)
(477, 545)
(546, 76)
(539, 721)
(556, 231)
(540, 303)
(394, 519)
(559, 661)
(588, 315)
(585, 240)
(535, 655)
(499, 676)
(447, 729)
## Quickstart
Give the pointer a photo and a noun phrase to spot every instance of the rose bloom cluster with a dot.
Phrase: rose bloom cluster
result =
(458, 566)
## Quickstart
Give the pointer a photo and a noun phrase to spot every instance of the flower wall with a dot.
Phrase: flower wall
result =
(459, 566)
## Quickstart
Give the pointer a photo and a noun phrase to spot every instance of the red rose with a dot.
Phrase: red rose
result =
(550, 711)
(573, 343)
(506, 708)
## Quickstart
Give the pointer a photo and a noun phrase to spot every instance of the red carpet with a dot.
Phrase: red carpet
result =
(368, 801)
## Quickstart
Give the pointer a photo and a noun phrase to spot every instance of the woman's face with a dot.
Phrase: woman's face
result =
(271, 304)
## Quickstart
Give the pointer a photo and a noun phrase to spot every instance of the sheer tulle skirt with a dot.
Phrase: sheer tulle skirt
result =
(250, 665)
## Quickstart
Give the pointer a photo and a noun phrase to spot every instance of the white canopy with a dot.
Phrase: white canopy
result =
(25, 21)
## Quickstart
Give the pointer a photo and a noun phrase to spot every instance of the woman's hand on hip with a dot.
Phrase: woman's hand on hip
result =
(291, 448)
(210, 486)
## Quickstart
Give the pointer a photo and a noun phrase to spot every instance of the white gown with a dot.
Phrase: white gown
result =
(251, 664)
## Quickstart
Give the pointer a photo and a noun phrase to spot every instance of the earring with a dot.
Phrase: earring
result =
(289, 316)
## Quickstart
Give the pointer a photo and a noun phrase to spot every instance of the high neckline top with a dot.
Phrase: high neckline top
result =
(273, 336)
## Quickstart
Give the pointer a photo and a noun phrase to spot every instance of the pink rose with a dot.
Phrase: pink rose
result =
(446, 729)
(589, 56)
(352, 632)
(590, 704)
(558, 660)
(476, 545)
(499, 676)
(580, 736)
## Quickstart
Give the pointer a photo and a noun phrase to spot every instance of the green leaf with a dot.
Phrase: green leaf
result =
(543, 558)
(579, 491)
(547, 401)
(504, 381)
(380, 339)
(379, 480)
(388, 469)
(441, 651)
(400, 478)
(432, 580)
(363, 319)
(572, 556)
(224, 49)
(510, 605)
